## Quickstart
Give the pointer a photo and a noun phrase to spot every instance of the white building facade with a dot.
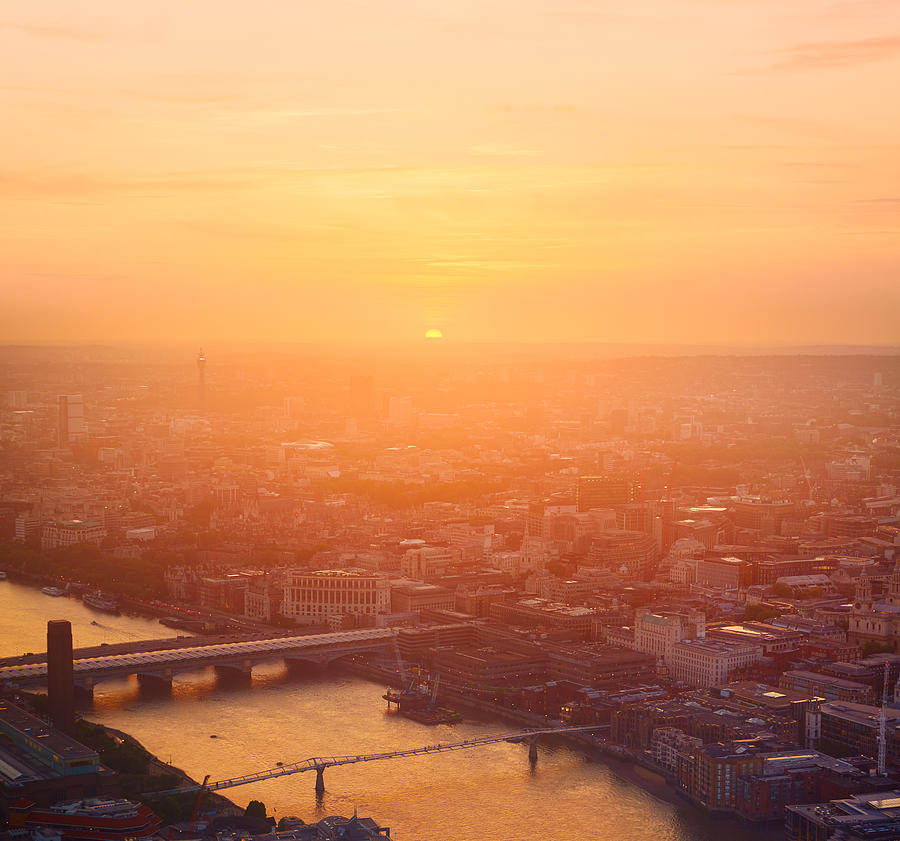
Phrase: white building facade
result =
(312, 598)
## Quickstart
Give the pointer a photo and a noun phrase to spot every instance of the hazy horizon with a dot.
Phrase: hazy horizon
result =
(687, 172)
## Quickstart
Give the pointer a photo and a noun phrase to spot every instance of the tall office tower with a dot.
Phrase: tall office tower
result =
(17, 399)
(71, 425)
(60, 681)
(201, 371)
(603, 492)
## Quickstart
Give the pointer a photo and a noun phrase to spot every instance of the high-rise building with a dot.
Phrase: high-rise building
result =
(26, 526)
(17, 399)
(60, 680)
(761, 515)
(71, 425)
(630, 553)
(603, 492)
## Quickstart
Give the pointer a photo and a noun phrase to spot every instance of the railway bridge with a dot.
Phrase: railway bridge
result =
(235, 658)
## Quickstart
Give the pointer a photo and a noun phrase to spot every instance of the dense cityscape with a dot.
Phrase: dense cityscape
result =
(684, 568)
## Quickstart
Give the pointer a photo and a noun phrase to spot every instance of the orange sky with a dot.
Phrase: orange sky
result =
(652, 171)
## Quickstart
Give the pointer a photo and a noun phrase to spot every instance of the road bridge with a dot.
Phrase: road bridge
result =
(237, 657)
(320, 763)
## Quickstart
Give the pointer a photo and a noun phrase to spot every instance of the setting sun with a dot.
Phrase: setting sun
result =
(340, 158)
(434, 334)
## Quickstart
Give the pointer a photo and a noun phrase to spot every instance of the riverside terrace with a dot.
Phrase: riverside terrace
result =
(236, 657)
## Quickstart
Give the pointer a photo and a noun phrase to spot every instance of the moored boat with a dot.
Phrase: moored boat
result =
(432, 715)
(53, 591)
(417, 701)
(99, 600)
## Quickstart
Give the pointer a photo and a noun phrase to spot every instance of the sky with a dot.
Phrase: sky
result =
(675, 171)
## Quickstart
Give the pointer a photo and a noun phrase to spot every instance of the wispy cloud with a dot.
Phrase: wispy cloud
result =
(39, 185)
(52, 30)
(836, 53)
(500, 151)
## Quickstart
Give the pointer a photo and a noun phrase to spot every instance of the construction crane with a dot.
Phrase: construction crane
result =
(882, 725)
(192, 824)
(806, 475)
(400, 666)
(200, 794)
(434, 688)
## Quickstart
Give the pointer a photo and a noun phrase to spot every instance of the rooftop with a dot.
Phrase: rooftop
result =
(860, 713)
(13, 718)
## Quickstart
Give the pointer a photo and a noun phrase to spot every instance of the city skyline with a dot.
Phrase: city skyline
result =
(686, 173)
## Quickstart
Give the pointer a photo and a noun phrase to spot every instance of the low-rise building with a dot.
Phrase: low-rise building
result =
(825, 686)
(852, 729)
(488, 667)
(788, 777)
(226, 593)
(42, 764)
(416, 597)
(581, 622)
(705, 663)
(668, 743)
(657, 633)
(597, 664)
(724, 573)
(264, 597)
(770, 638)
(63, 533)
(801, 707)
(871, 815)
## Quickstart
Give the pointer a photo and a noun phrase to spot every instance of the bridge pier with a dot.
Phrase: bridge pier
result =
(533, 750)
(298, 668)
(160, 684)
(320, 779)
(240, 674)
(84, 690)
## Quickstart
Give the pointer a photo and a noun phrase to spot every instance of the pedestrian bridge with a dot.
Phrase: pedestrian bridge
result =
(238, 657)
(320, 763)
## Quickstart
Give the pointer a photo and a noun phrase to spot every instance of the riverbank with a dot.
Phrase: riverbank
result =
(284, 716)
(139, 773)
(200, 621)
(627, 768)
(157, 768)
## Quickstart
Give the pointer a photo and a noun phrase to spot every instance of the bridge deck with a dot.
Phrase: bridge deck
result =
(199, 653)
(322, 762)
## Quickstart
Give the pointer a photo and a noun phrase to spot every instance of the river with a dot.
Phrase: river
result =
(488, 793)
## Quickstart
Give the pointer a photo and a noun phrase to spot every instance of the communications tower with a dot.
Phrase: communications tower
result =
(201, 371)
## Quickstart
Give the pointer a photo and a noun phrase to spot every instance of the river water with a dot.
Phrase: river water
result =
(488, 793)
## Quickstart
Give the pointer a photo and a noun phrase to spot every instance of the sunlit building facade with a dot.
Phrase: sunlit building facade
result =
(311, 598)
